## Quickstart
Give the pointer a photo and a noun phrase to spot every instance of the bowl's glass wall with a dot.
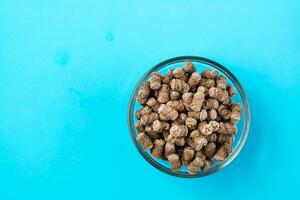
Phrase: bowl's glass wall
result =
(201, 64)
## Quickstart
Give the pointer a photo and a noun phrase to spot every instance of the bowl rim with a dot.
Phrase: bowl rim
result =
(246, 111)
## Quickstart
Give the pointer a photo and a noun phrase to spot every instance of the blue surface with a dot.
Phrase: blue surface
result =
(67, 69)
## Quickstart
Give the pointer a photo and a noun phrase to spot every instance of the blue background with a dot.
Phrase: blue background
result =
(67, 69)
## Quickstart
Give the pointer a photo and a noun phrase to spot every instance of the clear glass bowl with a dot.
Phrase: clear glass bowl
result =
(201, 64)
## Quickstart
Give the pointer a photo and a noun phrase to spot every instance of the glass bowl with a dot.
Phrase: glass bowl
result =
(201, 64)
